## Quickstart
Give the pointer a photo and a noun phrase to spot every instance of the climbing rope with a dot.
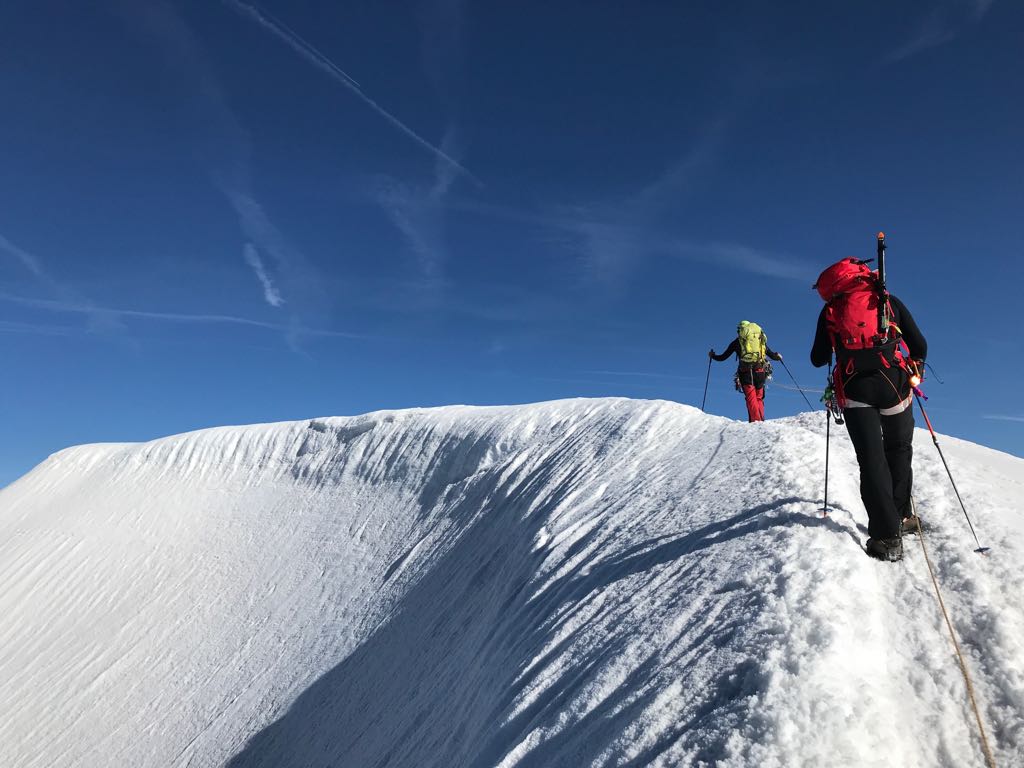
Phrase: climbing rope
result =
(989, 759)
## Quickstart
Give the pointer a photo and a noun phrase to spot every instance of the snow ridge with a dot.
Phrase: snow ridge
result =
(584, 582)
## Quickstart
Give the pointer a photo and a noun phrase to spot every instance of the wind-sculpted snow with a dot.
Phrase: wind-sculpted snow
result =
(578, 583)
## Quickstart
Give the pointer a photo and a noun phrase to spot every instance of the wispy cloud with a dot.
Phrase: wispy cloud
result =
(680, 177)
(932, 32)
(745, 259)
(612, 236)
(943, 24)
(56, 287)
(252, 258)
(26, 259)
(607, 245)
(301, 278)
(323, 63)
(290, 275)
(417, 218)
(1003, 417)
(442, 24)
(418, 212)
(613, 247)
(981, 7)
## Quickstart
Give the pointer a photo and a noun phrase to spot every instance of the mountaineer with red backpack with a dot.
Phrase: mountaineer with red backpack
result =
(880, 355)
(751, 349)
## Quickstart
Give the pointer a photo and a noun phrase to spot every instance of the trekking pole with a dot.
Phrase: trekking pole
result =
(708, 379)
(832, 411)
(797, 385)
(828, 431)
(980, 549)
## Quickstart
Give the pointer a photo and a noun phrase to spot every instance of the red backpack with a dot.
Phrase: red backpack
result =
(850, 290)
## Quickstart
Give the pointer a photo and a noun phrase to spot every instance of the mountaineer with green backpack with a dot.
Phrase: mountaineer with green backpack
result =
(751, 349)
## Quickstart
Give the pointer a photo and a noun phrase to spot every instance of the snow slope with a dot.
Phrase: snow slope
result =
(586, 582)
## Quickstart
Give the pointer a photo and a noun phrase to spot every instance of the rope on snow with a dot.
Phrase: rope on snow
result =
(989, 759)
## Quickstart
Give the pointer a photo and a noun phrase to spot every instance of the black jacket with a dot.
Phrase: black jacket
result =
(734, 349)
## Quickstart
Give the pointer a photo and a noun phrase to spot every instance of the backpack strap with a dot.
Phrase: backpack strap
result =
(838, 381)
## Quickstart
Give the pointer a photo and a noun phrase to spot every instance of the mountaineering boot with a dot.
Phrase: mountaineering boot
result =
(886, 549)
(910, 524)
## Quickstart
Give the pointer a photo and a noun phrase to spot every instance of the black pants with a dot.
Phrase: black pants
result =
(885, 448)
(754, 375)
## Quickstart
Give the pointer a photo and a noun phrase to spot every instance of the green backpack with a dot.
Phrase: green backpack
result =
(753, 342)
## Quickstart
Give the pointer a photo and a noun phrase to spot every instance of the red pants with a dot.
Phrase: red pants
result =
(755, 402)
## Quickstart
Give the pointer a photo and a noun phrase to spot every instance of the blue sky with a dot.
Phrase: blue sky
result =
(216, 213)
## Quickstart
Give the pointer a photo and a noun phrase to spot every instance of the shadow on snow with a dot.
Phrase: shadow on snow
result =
(439, 683)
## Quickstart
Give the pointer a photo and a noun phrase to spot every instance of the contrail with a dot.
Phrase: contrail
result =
(294, 39)
(319, 60)
(173, 317)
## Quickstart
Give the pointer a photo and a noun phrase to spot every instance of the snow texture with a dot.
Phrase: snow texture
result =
(578, 583)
